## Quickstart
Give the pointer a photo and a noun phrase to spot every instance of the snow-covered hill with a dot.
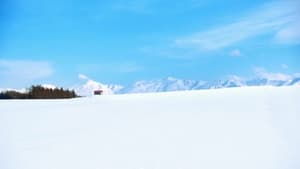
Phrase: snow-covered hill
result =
(245, 127)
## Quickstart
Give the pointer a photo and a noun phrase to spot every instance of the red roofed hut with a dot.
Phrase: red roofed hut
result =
(98, 92)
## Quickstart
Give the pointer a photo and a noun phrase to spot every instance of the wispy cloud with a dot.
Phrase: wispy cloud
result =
(290, 34)
(235, 53)
(262, 73)
(280, 18)
(82, 77)
(19, 71)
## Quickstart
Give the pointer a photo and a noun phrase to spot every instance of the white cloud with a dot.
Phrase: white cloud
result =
(235, 53)
(17, 71)
(289, 34)
(262, 73)
(82, 77)
(277, 17)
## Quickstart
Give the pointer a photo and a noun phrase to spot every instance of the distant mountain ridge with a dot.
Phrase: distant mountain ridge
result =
(173, 84)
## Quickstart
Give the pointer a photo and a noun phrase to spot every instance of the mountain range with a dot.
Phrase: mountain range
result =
(173, 84)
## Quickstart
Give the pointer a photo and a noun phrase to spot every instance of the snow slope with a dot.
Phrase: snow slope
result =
(234, 128)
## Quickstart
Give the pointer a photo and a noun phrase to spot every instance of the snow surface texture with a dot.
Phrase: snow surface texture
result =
(236, 128)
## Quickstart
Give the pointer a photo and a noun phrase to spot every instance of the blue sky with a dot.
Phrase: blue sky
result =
(115, 41)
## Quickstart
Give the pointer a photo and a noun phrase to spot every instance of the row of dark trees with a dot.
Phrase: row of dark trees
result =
(39, 92)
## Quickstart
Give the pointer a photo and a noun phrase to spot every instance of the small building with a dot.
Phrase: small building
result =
(98, 92)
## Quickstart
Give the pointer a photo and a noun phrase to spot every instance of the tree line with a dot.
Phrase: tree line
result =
(39, 92)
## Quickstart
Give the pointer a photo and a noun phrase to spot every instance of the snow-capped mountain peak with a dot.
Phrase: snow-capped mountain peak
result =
(89, 86)
(174, 84)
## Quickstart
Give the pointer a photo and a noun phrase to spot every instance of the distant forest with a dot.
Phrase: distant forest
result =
(39, 92)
